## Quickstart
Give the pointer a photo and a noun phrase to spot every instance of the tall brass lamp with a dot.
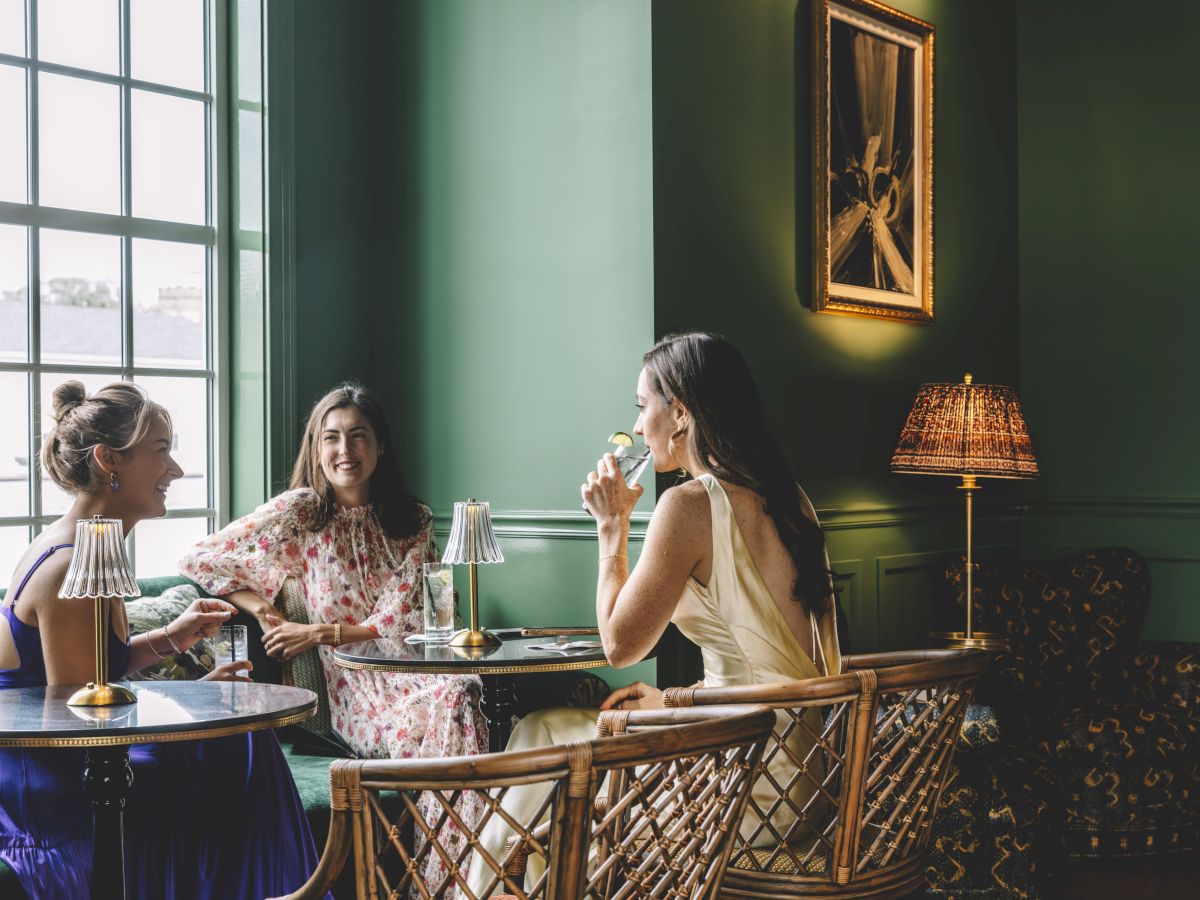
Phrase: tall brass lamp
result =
(100, 570)
(970, 431)
(472, 541)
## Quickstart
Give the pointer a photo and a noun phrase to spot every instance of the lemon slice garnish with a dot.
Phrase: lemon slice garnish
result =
(621, 439)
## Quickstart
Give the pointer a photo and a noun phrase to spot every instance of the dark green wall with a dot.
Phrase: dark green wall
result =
(1108, 191)
(732, 238)
(513, 270)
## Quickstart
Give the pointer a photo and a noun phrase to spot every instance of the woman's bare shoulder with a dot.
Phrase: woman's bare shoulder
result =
(44, 583)
(684, 506)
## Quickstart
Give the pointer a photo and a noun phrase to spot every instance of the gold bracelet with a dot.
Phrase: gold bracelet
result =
(153, 649)
(337, 634)
(613, 556)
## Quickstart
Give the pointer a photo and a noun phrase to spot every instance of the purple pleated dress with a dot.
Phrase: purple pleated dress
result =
(217, 818)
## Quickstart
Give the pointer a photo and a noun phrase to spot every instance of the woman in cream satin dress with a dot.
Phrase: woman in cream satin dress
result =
(734, 557)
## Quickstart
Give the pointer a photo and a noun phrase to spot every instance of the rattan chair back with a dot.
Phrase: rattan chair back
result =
(674, 797)
(851, 778)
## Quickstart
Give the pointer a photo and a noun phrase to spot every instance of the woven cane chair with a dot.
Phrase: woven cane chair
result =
(851, 816)
(687, 784)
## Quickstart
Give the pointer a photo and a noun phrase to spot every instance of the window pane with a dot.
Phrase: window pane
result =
(248, 35)
(168, 304)
(168, 158)
(14, 293)
(79, 144)
(186, 399)
(159, 543)
(14, 444)
(250, 171)
(12, 37)
(80, 33)
(12, 126)
(166, 42)
(81, 298)
(13, 541)
(54, 500)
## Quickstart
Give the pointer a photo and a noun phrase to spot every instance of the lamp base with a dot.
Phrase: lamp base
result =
(480, 638)
(102, 695)
(979, 640)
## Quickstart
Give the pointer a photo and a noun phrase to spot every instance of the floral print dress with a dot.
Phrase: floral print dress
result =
(352, 573)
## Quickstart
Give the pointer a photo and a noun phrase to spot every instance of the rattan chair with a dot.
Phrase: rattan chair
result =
(673, 798)
(850, 781)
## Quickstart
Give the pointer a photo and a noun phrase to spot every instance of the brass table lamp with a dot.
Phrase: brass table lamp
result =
(472, 541)
(970, 431)
(100, 570)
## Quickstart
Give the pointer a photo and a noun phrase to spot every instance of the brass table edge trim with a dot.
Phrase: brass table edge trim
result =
(152, 737)
(514, 669)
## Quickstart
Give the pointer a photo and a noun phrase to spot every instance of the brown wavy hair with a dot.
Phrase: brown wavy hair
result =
(117, 416)
(399, 512)
(728, 430)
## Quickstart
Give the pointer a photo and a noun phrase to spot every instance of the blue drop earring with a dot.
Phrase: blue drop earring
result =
(113, 486)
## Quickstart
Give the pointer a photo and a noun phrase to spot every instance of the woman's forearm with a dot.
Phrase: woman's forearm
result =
(148, 648)
(252, 603)
(613, 571)
(350, 634)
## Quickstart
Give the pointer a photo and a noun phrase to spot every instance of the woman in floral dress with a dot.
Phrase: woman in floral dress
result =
(356, 540)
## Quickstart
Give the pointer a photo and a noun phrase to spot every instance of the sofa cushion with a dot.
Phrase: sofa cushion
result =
(147, 613)
(1131, 770)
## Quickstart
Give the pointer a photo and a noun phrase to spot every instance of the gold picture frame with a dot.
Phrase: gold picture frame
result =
(872, 161)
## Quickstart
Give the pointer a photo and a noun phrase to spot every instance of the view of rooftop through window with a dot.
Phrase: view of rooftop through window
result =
(107, 241)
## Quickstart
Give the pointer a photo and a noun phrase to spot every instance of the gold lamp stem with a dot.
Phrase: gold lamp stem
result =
(101, 622)
(970, 485)
(475, 637)
(473, 575)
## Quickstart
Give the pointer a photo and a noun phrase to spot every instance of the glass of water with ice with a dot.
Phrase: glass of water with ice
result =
(439, 602)
(632, 458)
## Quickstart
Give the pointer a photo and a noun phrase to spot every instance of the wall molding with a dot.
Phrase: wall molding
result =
(1118, 507)
(558, 524)
(568, 524)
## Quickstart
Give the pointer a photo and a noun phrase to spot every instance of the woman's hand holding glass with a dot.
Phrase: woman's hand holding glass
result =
(606, 494)
(638, 695)
(200, 620)
(284, 640)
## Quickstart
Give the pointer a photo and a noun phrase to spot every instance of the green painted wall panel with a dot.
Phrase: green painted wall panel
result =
(733, 235)
(513, 267)
(1108, 192)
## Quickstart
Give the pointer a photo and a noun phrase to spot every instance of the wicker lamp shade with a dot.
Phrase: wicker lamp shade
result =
(966, 429)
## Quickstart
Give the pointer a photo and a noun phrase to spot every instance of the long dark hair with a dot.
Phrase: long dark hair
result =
(399, 512)
(728, 432)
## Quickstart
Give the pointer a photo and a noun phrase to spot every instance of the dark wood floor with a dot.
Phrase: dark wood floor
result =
(1171, 876)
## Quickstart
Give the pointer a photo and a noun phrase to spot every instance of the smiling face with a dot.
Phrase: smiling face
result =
(349, 452)
(657, 420)
(144, 474)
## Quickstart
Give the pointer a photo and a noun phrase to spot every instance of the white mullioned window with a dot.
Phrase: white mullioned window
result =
(110, 152)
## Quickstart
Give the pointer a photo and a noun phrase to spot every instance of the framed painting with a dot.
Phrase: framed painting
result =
(873, 161)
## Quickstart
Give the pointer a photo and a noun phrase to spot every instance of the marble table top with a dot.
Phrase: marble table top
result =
(165, 711)
(515, 655)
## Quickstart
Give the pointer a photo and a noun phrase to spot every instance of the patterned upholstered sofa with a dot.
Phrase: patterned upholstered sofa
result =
(1115, 719)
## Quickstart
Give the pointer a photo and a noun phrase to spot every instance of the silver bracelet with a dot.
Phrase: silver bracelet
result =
(171, 640)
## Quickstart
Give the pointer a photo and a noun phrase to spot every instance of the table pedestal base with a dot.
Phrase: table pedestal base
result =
(107, 778)
(499, 704)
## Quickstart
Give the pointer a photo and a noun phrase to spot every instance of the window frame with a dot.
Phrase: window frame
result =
(34, 217)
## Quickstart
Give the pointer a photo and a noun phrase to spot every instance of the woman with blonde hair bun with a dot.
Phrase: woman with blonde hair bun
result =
(213, 818)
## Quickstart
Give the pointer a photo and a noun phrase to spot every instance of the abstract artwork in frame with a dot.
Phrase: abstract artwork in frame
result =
(873, 161)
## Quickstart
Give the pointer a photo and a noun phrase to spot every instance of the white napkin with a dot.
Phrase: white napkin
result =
(566, 645)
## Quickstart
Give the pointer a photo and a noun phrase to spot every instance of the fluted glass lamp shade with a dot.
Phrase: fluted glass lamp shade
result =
(966, 429)
(100, 570)
(472, 541)
(973, 431)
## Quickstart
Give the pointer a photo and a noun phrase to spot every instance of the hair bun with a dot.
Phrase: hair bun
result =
(67, 396)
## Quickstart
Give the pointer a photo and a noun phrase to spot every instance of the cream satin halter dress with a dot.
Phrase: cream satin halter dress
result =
(743, 638)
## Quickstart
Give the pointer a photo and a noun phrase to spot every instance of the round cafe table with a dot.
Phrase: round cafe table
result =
(498, 668)
(165, 711)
